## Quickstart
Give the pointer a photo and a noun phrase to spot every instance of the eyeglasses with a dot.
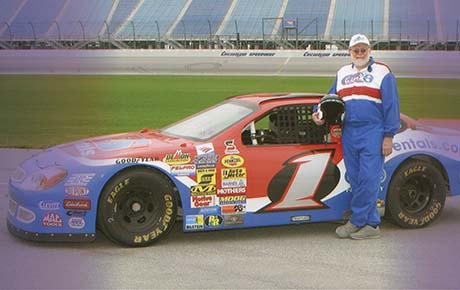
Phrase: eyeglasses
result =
(359, 50)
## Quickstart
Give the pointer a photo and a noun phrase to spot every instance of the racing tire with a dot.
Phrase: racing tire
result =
(137, 207)
(416, 195)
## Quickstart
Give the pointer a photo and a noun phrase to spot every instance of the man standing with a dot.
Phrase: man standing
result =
(371, 119)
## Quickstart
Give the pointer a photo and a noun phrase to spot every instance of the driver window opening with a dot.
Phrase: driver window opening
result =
(285, 125)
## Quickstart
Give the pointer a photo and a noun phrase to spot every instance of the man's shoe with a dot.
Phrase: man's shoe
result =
(367, 232)
(345, 230)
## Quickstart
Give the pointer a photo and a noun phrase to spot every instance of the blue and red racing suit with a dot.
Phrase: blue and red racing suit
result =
(371, 113)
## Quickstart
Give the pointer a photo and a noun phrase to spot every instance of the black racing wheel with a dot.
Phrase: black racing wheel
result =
(137, 207)
(416, 195)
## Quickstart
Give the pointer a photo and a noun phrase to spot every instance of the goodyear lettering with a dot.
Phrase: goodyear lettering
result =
(432, 213)
(414, 169)
(135, 160)
(116, 189)
(169, 204)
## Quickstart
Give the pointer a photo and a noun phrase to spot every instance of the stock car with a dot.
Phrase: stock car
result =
(253, 160)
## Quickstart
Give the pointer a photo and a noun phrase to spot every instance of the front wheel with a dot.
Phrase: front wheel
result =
(416, 195)
(137, 207)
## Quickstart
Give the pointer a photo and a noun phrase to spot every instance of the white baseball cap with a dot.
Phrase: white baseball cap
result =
(359, 38)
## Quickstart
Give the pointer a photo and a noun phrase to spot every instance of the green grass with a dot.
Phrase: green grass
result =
(45, 110)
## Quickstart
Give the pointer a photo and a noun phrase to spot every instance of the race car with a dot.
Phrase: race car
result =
(253, 160)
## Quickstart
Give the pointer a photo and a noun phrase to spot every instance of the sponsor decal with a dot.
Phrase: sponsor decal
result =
(76, 190)
(213, 221)
(210, 210)
(234, 182)
(79, 204)
(335, 131)
(79, 179)
(76, 213)
(116, 189)
(230, 191)
(136, 160)
(199, 190)
(246, 54)
(177, 158)
(206, 160)
(204, 149)
(326, 54)
(52, 219)
(357, 78)
(232, 161)
(49, 205)
(233, 209)
(233, 173)
(194, 222)
(206, 176)
(76, 222)
(300, 218)
(445, 146)
(232, 199)
(164, 224)
(234, 220)
(183, 169)
(202, 201)
(230, 147)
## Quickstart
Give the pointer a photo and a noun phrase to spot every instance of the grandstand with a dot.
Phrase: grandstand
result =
(293, 24)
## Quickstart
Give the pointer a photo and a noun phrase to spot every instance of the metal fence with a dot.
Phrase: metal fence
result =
(276, 33)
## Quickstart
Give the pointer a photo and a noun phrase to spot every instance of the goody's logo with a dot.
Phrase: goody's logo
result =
(357, 78)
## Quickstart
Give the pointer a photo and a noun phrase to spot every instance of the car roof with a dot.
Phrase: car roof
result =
(259, 98)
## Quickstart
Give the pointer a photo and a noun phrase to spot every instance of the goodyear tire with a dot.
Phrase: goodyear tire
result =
(416, 195)
(137, 207)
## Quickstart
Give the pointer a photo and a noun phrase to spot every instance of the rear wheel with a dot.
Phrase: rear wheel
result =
(416, 195)
(137, 207)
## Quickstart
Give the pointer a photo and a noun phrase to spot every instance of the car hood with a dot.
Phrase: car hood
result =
(131, 144)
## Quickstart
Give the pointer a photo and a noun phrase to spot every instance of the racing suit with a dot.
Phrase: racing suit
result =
(371, 113)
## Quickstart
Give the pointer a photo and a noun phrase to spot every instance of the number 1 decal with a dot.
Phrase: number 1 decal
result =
(303, 181)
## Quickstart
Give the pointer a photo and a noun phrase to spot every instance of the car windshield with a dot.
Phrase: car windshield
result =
(208, 123)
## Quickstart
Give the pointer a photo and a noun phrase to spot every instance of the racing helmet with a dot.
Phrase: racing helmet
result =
(331, 108)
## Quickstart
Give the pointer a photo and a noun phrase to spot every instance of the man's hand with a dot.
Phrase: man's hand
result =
(387, 146)
(317, 120)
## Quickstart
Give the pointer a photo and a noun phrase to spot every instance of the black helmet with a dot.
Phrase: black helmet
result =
(331, 108)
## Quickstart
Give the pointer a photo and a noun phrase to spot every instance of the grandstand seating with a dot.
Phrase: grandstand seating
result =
(311, 15)
(33, 21)
(153, 17)
(95, 20)
(203, 17)
(122, 12)
(249, 16)
(357, 16)
(82, 19)
(412, 19)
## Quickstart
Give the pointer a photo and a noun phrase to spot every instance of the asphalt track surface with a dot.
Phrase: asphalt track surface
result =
(285, 257)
